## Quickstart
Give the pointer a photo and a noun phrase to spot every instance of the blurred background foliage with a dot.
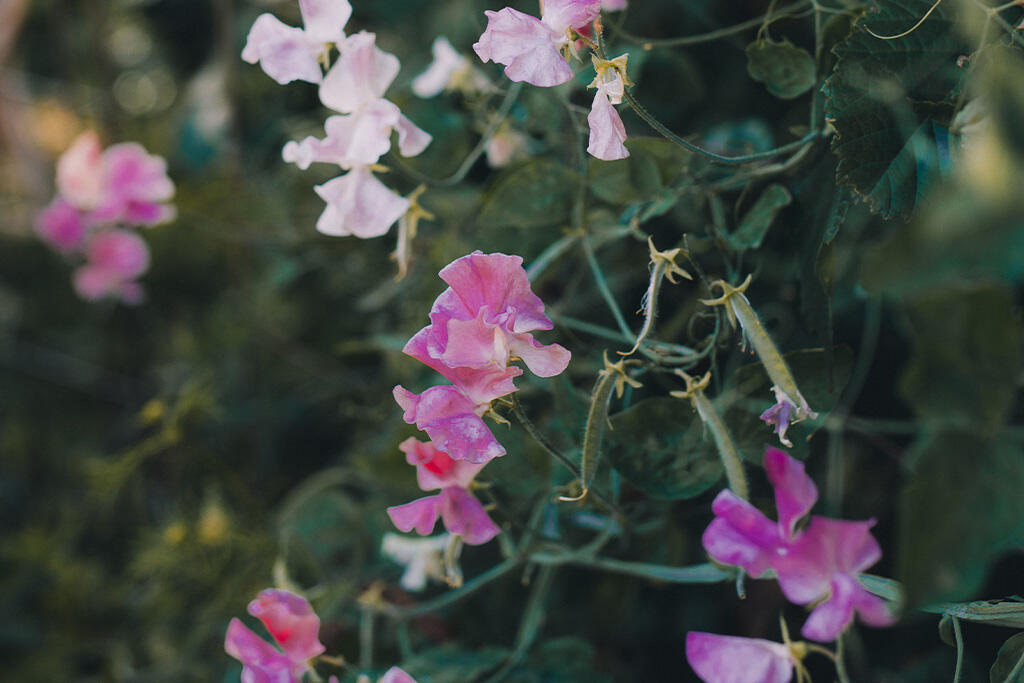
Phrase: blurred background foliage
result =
(161, 464)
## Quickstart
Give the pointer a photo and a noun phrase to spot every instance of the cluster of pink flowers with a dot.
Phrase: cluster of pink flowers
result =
(479, 325)
(360, 134)
(818, 565)
(295, 628)
(535, 51)
(101, 195)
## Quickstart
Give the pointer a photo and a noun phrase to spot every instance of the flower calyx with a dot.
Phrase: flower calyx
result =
(727, 292)
(668, 258)
(693, 385)
(619, 369)
(609, 70)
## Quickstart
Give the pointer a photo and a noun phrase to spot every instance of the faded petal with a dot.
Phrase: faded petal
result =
(731, 659)
(291, 621)
(263, 663)
(420, 514)
(447, 62)
(780, 416)
(324, 20)
(448, 417)
(396, 675)
(527, 47)
(284, 52)
(607, 132)
(740, 535)
(563, 14)
(435, 469)
(61, 226)
(80, 172)
(358, 204)
(795, 492)
(464, 515)
(361, 74)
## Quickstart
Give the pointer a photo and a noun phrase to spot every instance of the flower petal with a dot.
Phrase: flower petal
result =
(447, 61)
(607, 132)
(562, 14)
(731, 659)
(435, 469)
(291, 621)
(284, 52)
(447, 416)
(361, 74)
(263, 663)
(396, 675)
(795, 492)
(420, 514)
(61, 225)
(464, 515)
(324, 20)
(528, 48)
(740, 535)
(411, 138)
(80, 172)
(358, 204)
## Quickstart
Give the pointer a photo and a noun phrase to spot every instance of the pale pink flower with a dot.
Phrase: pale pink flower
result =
(506, 146)
(607, 132)
(114, 259)
(295, 628)
(61, 225)
(449, 70)
(732, 659)
(80, 175)
(460, 511)
(358, 204)
(136, 187)
(288, 54)
(421, 558)
(361, 74)
(530, 48)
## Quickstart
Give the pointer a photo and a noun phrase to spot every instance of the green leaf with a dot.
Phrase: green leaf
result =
(450, 663)
(532, 194)
(658, 446)
(966, 358)
(755, 223)
(785, 69)
(884, 97)
(1009, 664)
(653, 164)
(1007, 612)
(960, 511)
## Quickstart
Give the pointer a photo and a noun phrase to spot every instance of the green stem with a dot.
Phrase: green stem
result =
(365, 638)
(695, 574)
(602, 287)
(958, 634)
(550, 254)
(529, 626)
(840, 661)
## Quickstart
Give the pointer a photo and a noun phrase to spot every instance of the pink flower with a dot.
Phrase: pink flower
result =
(461, 513)
(294, 627)
(531, 48)
(607, 132)
(452, 421)
(135, 187)
(446, 64)
(289, 54)
(820, 563)
(80, 172)
(61, 225)
(358, 204)
(613, 5)
(360, 76)
(396, 675)
(114, 258)
(731, 659)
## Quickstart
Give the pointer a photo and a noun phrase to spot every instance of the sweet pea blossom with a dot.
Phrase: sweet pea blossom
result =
(114, 259)
(290, 54)
(819, 564)
(607, 132)
(461, 512)
(530, 48)
(421, 558)
(732, 659)
(62, 226)
(358, 204)
(292, 624)
(449, 70)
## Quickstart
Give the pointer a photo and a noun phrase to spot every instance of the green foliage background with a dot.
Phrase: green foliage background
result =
(161, 464)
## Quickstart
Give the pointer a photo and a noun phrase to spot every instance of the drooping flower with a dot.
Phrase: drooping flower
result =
(449, 70)
(607, 132)
(461, 512)
(290, 54)
(421, 558)
(292, 624)
(732, 659)
(530, 48)
(114, 259)
(819, 563)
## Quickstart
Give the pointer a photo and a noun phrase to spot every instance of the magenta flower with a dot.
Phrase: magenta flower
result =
(61, 225)
(290, 54)
(820, 563)
(613, 5)
(731, 659)
(530, 48)
(135, 187)
(295, 628)
(461, 513)
(114, 259)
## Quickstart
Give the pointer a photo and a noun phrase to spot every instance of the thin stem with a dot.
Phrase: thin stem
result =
(550, 255)
(602, 287)
(366, 638)
(841, 674)
(445, 599)
(958, 634)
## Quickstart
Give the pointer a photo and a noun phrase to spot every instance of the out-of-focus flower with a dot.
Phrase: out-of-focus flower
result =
(61, 226)
(421, 558)
(461, 513)
(290, 54)
(396, 675)
(80, 172)
(136, 187)
(295, 628)
(732, 659)
(607, 132)
(114, 259)
(449, 70)
(530, 48)
(505, 146)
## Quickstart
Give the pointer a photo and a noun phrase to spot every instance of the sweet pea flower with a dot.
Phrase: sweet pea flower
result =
(358, 204)
(136, 187)
(449, 70)
(505, 146)
(114, 259)
(295, 628)
(818, 564)
(607, 132)
(80, 173)
(396, 675)
(732, 659)
(530, 48)
(452, 421)
(290, 54)
(462, 514)
(421, 558)
(62, 226)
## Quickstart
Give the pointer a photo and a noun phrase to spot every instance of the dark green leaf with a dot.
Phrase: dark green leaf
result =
(785, 69)
(755, 223)
(658, 446)
(967, 356)
(1009, 664)
(653, 164)
(532, 194)
(961, 510)
(450, 663)
(559, 660)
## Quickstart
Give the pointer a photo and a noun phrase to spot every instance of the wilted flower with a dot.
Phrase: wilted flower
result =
(295, 628)
(290, 54)
(607, 132)
(462, 514)
(530, 48)
(732, 659)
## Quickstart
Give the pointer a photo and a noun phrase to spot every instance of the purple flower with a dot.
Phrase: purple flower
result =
(531, 48)
(731, 659)
(461, 513)
(62, 226)
(293, 625)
